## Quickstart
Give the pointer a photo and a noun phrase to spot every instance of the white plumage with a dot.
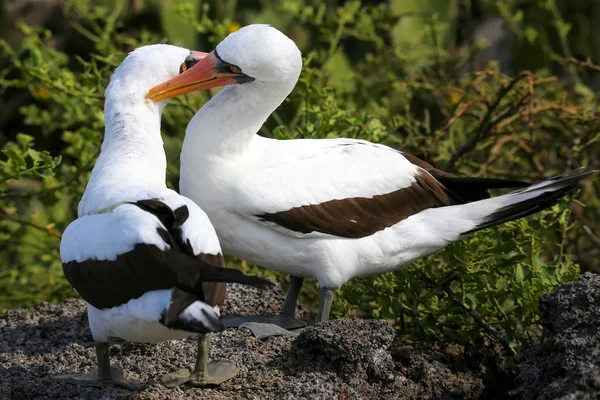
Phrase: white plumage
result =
(334, 209)
(116, 232)
(139, 253)
(132, 167)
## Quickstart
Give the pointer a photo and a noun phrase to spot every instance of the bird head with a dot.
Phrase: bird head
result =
(254, 54)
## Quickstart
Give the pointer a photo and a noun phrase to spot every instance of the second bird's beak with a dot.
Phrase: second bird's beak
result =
(204, 75)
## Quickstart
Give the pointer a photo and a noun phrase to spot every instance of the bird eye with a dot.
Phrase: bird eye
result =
(234, 69)
(183, 67)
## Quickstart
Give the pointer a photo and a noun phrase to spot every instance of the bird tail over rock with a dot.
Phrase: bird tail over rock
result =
(468, 218)
(188, 313)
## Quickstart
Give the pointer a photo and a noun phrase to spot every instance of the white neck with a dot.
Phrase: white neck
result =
(132, 156)
(228, 123)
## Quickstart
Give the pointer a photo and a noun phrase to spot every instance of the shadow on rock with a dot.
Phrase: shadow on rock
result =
(367, 352)
(567, 365)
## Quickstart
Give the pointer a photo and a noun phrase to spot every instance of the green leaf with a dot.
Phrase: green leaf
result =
(519, 274)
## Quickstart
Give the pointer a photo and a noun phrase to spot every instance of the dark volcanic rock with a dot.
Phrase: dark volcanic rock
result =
(344, 359)
(439, 373)
(356, 349)
(568, 365)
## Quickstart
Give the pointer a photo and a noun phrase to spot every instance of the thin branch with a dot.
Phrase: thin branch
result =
(492, 331)
(593, 238)
(49, 231)
(587, 63)
(487, 327)
(487, 123)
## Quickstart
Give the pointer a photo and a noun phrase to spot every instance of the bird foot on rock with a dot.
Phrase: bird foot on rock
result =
(262, 330)
(214, 374)
(263, 326)
(117, 377)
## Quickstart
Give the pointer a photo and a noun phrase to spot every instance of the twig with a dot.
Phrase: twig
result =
(457, 115)
(487, 327)
(49, 231)
(486, 123)
(560, 24)
(587, 63)
(593, 238)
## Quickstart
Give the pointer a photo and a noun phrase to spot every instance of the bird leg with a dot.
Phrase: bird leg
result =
(326, 295)
(291, 297)
(263, 326)
(105, 374)
(203, 373)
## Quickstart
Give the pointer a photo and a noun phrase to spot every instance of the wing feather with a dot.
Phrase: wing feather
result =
(114, 257)
(349, 188)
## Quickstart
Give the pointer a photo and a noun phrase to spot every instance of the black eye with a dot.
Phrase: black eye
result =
(183, 68)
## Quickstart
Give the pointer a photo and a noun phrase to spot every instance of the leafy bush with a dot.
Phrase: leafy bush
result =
(388, 73)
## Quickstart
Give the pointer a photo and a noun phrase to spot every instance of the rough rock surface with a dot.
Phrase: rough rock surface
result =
(343, 359)
(568, 365)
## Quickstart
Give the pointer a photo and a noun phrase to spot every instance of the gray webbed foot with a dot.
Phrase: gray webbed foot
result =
(203, 373)
(262, 330)
(214, 374)
(116, 376)
(106, 374)
(284, 321)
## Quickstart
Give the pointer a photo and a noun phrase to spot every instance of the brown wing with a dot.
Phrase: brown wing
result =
(214, 292)
(109, 283)
(358, 217)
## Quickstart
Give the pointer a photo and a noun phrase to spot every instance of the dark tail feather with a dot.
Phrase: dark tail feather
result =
(194, 271)
(533, 199)
(232, 275)
(473, 189)
(199, 318)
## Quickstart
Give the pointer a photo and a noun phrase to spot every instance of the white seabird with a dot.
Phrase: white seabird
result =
(334, 209)
(140, 254)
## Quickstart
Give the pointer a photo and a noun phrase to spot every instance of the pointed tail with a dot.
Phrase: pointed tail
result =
(520, 203)
(451, 223)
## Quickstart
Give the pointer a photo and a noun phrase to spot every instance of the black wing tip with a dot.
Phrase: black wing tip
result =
(181, 215)
(566, 184)
(261, 283)
(577, 174)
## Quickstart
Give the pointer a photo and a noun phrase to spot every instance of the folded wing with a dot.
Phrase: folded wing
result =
(352, 189)
(114, 257)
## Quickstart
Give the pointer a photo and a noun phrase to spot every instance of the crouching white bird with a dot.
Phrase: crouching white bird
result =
(140, 254)
(334, 209)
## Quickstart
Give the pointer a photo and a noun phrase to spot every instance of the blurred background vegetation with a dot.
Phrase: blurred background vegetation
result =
(477, 87)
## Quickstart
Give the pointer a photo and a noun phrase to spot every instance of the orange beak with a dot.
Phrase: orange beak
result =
(207, 74)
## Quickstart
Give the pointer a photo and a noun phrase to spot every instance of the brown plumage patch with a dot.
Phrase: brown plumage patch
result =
(425, 165)
(110, 283)
(358, 217)
(214, 292)
(106, 283)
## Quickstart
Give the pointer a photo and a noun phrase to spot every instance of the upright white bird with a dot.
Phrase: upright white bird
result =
(334, 209)
(139, 252)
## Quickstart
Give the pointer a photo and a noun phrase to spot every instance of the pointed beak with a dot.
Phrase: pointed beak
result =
(204, 75)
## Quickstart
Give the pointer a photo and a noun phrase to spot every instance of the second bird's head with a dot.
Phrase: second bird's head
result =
(255, 53)
(148, 66)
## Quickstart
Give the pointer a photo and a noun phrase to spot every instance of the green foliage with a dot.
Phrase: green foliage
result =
(369, 74)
